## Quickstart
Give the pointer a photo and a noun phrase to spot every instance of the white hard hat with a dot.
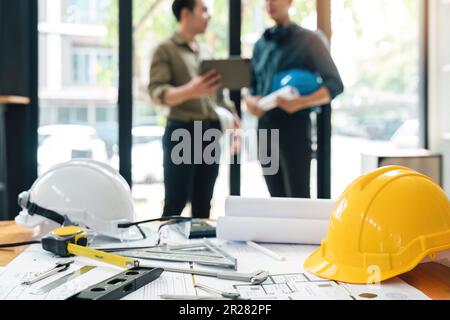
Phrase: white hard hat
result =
(84, 193)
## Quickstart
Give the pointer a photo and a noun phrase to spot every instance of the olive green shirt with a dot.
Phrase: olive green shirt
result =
(175, 64)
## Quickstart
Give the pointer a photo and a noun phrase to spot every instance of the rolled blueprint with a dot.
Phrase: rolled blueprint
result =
(279, 208)
(272, 230)
(270, 102)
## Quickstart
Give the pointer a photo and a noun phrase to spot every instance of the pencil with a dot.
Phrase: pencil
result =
(266, 251)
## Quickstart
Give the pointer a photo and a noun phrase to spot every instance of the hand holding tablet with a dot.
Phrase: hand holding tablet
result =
(234, 72)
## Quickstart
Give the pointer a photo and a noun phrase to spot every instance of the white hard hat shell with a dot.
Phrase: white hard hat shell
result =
(89, 193)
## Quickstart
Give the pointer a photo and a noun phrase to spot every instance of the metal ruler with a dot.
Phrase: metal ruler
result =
(204, 253)
(59, 282)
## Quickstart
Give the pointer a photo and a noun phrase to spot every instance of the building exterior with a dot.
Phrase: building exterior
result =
(78, 70)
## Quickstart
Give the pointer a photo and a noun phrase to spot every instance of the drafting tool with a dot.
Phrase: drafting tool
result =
(120, 285)
(227, 295)
(59, 282)
(257, 277)
(266, 251)
(60, 267)
(205, 253)
(69, 241)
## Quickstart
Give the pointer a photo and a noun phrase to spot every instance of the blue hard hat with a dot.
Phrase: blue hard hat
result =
(306, 82)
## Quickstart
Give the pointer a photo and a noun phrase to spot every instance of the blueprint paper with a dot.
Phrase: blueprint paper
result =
(168, 283)
(35, 260)
(288, 280)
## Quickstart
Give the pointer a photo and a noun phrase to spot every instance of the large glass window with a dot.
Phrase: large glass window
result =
(77, 81)
(441, 70)
(85, 11)
(376, 47)
(153, 23)
(92, 66)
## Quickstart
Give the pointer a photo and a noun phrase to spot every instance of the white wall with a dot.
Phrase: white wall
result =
(439, 86)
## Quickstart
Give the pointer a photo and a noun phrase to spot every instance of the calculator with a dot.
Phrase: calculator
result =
(196, 229)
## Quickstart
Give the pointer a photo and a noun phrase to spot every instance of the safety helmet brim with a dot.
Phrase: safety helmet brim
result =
(320, 266)
(317, 264)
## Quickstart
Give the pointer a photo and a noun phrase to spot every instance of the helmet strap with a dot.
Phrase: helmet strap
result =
(49, 214)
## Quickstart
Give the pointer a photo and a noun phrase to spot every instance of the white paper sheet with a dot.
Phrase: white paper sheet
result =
(393, 289)
(324, 290)
(168, 283)
(284, 275)
(35, 260)
(279, 208)
(295, 287)
(263, 292)
(250, 260)
(298, 287)
(272, 230)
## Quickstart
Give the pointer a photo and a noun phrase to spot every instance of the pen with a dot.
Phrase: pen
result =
(266, 251)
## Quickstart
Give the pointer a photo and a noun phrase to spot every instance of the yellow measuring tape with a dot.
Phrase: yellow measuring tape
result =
(68, 241)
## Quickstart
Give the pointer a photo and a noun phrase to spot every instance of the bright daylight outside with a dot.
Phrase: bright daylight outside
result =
(375, 45)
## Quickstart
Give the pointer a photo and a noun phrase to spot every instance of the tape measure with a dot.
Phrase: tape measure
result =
(72, 241)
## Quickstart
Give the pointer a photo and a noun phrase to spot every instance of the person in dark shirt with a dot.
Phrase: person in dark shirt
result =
(284, 47)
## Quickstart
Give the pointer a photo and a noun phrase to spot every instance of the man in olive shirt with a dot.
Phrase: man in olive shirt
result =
(192, 98)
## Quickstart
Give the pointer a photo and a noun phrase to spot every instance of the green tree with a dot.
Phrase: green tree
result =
(393, 66)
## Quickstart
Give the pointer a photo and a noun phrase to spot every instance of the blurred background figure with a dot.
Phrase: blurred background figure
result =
(175, 82)
(288, 50)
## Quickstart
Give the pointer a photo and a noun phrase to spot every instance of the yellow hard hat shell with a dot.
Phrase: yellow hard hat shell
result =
(383, 225)
(67, 231)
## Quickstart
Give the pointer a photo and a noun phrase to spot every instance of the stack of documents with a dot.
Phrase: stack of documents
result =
(276, 220)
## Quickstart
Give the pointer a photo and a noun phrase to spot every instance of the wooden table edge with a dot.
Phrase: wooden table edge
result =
(14, 100)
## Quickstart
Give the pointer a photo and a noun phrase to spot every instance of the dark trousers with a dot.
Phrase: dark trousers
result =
(294, 153)
(188, 182)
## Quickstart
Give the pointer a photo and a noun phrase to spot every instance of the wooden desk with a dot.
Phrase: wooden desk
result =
(11, 233)
(432, 279)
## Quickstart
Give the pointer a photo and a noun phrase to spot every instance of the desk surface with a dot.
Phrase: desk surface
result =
(432, 279)
(14, 100)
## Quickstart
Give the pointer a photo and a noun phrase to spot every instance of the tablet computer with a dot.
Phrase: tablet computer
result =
(235, 72)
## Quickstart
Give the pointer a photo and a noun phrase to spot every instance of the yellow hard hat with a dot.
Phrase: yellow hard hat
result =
(384, 224)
